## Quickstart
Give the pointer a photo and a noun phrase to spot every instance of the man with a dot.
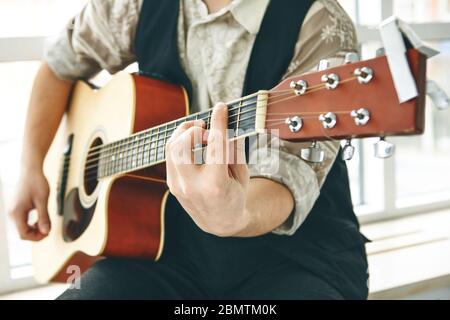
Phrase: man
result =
(245, 231)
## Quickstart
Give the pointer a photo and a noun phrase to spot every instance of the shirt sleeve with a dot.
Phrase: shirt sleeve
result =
(100, 37)
(327, 32)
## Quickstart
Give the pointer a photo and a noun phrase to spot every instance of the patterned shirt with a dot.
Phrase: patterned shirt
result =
(214, 51)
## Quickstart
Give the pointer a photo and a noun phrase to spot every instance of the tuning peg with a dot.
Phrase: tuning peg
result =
(299, 87)
(328, 120)
(351, 57)
(313, 153)
(348, 151)
(295, 123)
(331, 81)
(324, 64)
(384, 149)
(360, 116)
(364, 75)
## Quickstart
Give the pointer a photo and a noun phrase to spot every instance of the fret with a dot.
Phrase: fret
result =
(140, 151)
(108, 151)
(110, 158)
(161, 145)
(155, 159)
(248, 114)
(113, 158)
(134, 151)
(122, 156)
(118, 156)
(238, 117)
(129, 154)
(170, 129)
(147, 140)
(232, 118)
(152, 148)
(208, 119)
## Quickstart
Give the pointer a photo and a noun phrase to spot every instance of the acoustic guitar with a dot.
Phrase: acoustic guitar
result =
(106, 165)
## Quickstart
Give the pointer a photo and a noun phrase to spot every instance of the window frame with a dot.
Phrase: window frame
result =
(386, 204)
(383, 206)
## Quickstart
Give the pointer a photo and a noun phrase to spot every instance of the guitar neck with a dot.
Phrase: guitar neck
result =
(146, 148)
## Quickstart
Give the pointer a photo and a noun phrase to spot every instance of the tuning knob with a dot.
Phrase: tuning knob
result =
(364, 75)
(299, 87)
(331, 81)
(295, 123)
(328, 120)
(384, 149)
(361, 116)
(348, 151)
(313, 153)
(351, 57)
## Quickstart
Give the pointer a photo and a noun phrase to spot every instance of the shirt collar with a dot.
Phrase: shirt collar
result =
(250, 13)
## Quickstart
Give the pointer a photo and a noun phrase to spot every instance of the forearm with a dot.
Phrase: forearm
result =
(268, 206)
(47, 105)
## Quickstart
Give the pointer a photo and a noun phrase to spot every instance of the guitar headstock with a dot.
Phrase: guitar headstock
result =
(354, 100)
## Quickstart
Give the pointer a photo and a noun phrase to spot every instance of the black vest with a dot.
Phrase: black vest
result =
(328, 242)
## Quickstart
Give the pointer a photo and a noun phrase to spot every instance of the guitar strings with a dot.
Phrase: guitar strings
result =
(157, 153)
(152, 152)
(287, 92)
(280, 93)
(271, 96)
(271, 93)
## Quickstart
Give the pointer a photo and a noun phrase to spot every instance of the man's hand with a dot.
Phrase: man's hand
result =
(47, 105)
(32, 194)
(214, 193)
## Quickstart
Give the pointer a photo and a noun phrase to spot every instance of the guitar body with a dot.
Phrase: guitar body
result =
(121, 215)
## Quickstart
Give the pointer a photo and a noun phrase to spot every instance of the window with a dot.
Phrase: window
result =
(23, 26)
(31, 18)
(412, 181)
(421, 160)
(417, 11)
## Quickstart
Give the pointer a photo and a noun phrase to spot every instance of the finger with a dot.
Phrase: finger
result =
(184, 146)
(184, 126)
(26, 232)
(238, 165)
(180, 152)
(217, 138)
(43, 217)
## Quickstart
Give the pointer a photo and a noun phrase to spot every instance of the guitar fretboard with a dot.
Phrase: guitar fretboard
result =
(147, 148)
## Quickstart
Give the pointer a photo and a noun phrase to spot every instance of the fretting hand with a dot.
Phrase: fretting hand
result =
(214, 193)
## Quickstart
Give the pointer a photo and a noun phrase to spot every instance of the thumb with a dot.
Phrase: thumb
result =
(43, 217)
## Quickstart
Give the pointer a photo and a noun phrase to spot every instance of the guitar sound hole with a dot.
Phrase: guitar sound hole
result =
(91, 167)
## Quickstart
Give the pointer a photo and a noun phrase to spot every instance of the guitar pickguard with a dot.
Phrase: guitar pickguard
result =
(76, 218)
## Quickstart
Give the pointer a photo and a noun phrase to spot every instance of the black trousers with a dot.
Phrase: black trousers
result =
(197, 265)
